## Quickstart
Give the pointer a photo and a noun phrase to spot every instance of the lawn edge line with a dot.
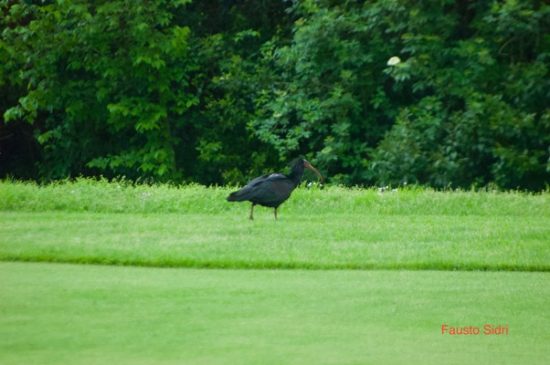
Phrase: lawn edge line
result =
(270, 265)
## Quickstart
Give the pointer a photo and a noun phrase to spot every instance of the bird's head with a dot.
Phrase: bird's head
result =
(299, 164)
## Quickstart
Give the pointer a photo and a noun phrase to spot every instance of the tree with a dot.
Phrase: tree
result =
(447, 94)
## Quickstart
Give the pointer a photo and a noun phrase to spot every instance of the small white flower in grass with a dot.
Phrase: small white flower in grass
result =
(311, 185)
(393, 61)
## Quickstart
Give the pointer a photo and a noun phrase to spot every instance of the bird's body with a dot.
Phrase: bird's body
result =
(268, 190)
(272, 190)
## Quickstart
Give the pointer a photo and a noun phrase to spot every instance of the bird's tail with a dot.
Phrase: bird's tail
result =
(232, 197)
(237, 196)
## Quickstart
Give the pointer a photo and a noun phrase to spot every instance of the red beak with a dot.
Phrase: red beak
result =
(307, 165)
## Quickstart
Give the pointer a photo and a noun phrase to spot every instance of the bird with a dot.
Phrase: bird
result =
(271, 190)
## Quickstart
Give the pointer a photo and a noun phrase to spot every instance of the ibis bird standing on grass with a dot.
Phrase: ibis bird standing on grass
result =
(272, 190)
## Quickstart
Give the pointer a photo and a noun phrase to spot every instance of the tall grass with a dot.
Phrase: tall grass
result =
(88, 195)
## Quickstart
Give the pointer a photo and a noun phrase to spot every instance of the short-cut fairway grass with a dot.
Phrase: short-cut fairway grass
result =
(242, 292)
(326, 241)
(85, 314)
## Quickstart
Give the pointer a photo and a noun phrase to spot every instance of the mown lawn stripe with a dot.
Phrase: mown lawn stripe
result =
(329, 241)
(86, 314)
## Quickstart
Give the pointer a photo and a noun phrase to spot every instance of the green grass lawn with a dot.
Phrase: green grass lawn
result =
(333, 228)
(85, 314)
(295, 241)
(241, 291)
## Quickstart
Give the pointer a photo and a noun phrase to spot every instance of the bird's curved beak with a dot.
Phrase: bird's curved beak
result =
(307, 165)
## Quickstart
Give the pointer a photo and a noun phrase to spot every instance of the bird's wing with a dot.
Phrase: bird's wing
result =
(273, 189)
(265, 189)
(264, 178)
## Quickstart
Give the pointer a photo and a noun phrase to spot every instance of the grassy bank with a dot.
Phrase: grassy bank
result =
(335, 228)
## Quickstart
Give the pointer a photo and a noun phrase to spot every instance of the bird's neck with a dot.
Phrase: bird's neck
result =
(296, 176)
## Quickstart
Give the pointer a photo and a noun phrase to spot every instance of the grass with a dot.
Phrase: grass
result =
(330, 241)
(334, 228)
(85, 195)
(440, 257)
(74, 314)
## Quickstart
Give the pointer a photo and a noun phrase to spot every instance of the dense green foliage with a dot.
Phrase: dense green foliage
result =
(218, 91)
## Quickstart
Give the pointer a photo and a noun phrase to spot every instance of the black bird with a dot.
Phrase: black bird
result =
(272, 190)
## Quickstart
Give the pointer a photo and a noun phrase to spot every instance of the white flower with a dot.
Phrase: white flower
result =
(394, 61)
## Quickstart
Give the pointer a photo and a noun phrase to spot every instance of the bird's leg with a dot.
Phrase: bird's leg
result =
(275, 211)
(251, 212)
